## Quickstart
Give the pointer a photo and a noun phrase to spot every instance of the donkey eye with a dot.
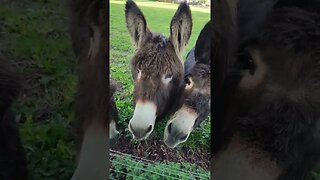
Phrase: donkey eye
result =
(187, 80)
(189, 83)
(247, 61)
(168, 76)
(166, 79)
(139, 73)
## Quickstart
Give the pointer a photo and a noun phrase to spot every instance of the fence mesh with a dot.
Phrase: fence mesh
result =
(126, 166)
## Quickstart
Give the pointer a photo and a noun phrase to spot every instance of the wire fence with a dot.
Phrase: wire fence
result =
(126, 166)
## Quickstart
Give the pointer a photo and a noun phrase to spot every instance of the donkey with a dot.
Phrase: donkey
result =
(157, 69)
(267, 78)
(194, 103)
(88, 29)
(13, 162)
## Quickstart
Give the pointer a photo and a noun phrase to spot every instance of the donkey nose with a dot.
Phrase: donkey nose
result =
(175, 134)
(140, 133)
(170, 128)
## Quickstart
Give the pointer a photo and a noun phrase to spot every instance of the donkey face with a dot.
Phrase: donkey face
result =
(156, 65)
(88, 29)
(195, 99)
(270, 116)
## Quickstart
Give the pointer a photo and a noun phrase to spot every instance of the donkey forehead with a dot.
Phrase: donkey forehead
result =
(201, 70)
(157, 62)
(200, 73)
(156, 70)
(159, 39)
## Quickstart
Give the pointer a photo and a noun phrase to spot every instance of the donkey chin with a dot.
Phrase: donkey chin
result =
(179, 127)
(142, 123)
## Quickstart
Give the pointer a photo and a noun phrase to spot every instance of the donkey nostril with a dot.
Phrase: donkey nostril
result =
(169, 128)
(184, 138)
(149, 129)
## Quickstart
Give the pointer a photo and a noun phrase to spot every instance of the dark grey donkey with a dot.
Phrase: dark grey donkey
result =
(194, 102)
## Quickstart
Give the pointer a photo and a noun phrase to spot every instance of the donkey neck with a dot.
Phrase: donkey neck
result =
(238, 161)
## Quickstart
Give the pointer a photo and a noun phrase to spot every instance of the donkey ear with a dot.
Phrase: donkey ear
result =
(93, 12)
(136, 23)
(203, 46)
(180, 28)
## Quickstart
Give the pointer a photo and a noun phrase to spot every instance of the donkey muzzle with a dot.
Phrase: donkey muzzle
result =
(142, 123)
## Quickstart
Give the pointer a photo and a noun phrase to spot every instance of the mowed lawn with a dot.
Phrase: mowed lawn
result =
(158, 16)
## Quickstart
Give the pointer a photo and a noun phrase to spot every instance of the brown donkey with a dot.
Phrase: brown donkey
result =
(90, 43)
(157, 68)
(194, 102)
(266, 80)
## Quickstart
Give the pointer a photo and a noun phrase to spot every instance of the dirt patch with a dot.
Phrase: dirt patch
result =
(156, 150)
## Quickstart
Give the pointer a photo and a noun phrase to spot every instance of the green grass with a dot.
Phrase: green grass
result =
(158, 19)
(157, 4)
(36, 39)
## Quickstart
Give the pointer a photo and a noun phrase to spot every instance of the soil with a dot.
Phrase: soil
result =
(156, 150)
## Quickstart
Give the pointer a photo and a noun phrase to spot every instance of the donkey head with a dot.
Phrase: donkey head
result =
(88, 29)
(157, 69)
(269, 108)
(195, 99)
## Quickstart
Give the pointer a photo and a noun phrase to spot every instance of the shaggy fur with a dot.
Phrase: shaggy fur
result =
(192, 105)
(158, 60)
(157, 55)
(279, 115)
(197, 69)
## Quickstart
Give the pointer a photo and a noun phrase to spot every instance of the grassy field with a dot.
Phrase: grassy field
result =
(121, 51)
(34, 35)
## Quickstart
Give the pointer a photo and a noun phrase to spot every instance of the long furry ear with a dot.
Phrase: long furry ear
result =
(203, 45)
(88, 23)
(136, 23)
(181, 27)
